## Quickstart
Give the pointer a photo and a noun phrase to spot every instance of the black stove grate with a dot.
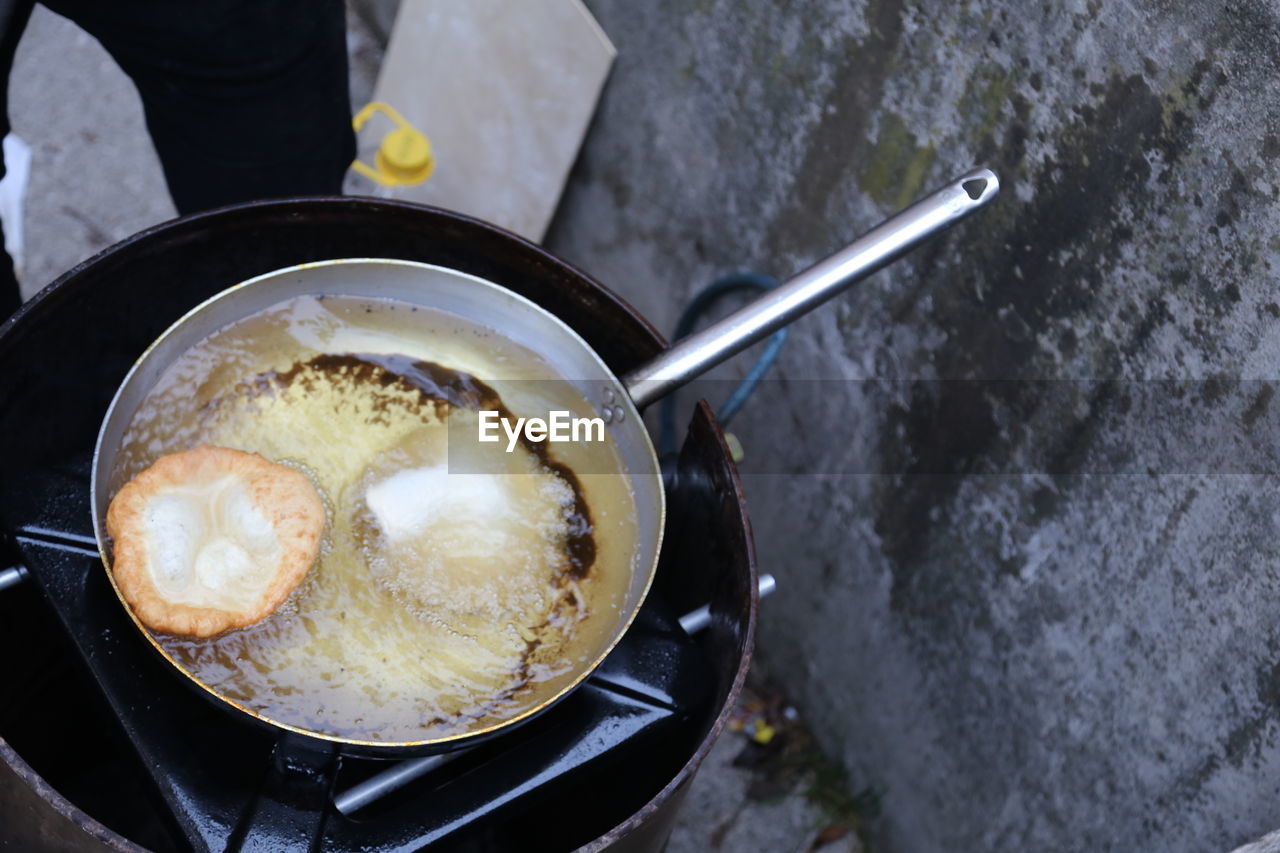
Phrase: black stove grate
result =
(216, 775)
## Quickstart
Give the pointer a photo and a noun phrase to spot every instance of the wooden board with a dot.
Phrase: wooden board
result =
(504, 91)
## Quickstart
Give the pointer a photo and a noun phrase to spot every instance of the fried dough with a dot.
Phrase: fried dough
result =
(210, 539)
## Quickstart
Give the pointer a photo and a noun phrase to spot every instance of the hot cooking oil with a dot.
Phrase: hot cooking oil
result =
(448, 597)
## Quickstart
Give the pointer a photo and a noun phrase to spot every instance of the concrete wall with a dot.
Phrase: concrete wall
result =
(1020, 654)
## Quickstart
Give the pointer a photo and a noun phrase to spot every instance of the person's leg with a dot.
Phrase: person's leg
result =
(244, 99)
(13, 20)
(10, 293)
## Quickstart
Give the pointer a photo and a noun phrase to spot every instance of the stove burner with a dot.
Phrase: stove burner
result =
(204, 762)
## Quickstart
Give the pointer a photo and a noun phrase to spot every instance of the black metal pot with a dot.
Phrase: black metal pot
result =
(64, 354)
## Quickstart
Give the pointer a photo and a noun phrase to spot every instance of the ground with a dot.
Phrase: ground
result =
(767, 786)
(1022, 489)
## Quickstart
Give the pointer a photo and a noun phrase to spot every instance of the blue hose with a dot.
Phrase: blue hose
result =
(732, 283)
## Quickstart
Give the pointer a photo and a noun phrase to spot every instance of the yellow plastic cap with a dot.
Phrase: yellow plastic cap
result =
(406, 154)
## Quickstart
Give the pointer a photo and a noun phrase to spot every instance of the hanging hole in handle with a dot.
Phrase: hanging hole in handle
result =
(975, 187)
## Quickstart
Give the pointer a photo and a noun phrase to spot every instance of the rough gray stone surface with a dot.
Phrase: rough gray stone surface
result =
(1270, 844)
(1019, 651)
(717, 813)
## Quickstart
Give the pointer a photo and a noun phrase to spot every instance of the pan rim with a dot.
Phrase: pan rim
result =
(621, 397)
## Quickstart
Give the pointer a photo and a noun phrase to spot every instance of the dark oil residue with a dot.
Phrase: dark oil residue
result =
(444, 388)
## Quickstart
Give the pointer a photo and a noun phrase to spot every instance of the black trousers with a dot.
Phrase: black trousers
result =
(244, 99)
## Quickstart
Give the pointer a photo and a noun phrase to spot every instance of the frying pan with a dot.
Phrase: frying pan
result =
(618, 399)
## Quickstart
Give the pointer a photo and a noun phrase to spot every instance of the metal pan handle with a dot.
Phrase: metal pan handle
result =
(885, 243)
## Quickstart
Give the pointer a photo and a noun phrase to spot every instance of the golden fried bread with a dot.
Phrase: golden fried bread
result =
(213, 538)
